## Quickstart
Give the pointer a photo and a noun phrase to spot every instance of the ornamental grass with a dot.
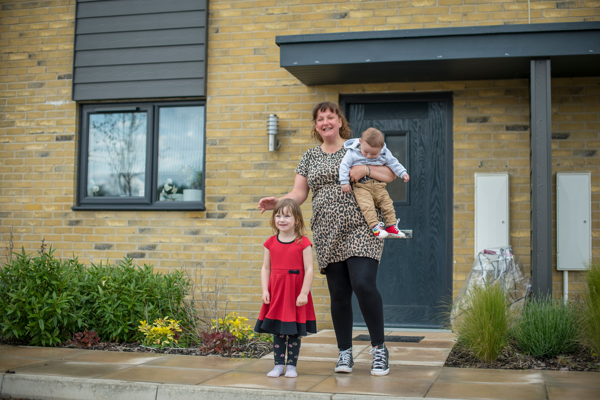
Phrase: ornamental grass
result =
(483, 321)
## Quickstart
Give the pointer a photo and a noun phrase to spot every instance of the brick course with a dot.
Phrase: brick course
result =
(38, 134)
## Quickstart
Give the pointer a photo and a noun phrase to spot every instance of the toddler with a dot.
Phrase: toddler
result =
(370, 150)
(286, 276)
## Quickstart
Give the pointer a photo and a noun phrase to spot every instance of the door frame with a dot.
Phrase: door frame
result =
(447, 97)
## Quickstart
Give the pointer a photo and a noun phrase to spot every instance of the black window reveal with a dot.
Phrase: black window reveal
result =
(142, 156)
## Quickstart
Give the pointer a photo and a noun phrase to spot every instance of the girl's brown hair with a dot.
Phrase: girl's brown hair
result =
(294, 209)
(345, 131)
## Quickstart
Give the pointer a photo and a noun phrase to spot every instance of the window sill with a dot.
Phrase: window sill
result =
(158, 206)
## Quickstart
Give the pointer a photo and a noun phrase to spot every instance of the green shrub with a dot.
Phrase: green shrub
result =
(45, 300)
(39, 302)
(547, 328)
(590, 315)
(483, 321)
(119, 296)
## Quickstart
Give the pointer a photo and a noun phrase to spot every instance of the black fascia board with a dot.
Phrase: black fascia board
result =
(487, 52)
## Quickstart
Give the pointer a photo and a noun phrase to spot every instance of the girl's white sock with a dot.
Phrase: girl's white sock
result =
(291, 372)
(276, 372)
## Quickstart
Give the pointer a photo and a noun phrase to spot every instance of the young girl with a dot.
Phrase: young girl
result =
(287, 273)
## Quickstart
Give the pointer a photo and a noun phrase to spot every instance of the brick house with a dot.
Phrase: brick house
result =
(97, 96)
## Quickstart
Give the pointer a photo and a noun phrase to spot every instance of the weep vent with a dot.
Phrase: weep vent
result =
(134, 49)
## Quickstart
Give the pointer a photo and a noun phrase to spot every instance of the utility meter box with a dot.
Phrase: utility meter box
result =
(573, 220)
(491, 211)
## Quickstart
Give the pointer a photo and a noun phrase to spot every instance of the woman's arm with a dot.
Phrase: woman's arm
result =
(299, 193)
(308, 276)
(378, 172)
(265, 275)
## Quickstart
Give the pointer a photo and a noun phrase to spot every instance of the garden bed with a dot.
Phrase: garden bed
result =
(252, 349)
(509, 358)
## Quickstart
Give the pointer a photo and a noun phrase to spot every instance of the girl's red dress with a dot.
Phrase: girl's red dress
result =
(281, 316)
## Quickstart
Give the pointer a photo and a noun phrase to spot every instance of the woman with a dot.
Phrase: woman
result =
(347, 252)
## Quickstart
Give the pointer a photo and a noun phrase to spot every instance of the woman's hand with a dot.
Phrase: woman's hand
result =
(357, 173)
(267, 203)
(302, 300)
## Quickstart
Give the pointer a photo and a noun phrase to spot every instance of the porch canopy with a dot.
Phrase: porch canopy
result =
(442, 54)
(536, 51)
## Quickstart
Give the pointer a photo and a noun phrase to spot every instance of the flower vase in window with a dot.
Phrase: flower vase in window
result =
(169, 191)
(193, 181)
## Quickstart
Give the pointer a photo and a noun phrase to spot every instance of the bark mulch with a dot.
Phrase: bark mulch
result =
(252, 349)
(460, 357)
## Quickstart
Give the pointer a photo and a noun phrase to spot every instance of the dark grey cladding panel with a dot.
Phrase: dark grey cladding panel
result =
(139, 89)
(142, 22)
(167, 37)
(144, 55)
(135, 49)
(139, 72)
(135, 7)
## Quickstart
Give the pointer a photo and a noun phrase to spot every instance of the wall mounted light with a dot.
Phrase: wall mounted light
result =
(274, 143)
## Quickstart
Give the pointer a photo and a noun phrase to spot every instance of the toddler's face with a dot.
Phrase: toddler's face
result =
(369, 151)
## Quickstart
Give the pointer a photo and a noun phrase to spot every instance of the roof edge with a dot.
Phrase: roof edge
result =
(438, 32)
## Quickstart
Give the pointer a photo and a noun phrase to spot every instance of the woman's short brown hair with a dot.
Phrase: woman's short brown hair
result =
(345, 131)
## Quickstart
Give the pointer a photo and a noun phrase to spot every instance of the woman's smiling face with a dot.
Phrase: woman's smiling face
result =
(328, 124)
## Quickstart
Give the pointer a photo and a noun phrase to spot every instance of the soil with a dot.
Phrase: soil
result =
(251, 349)
(460, 357)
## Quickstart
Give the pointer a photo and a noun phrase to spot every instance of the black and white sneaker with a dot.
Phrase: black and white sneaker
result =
(381, 364)
(345, 361)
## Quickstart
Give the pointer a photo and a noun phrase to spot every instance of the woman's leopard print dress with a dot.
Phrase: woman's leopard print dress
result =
(339, 228)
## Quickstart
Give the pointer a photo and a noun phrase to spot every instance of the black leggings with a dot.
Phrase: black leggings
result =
(286, 345)
(356, 274)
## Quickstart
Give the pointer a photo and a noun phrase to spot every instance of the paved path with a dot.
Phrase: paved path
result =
(416, 372)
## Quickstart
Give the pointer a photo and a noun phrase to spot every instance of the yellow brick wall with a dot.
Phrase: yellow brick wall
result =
(575, 147)
(38, 133)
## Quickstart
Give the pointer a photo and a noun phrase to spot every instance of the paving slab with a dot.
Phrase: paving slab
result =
(491, 376)
(182, 376)
(114, 357)
(496, 391)
(349, 384)
(259, 380)
(410, 355)
(404, 372)
(199, 362)
(326, 352)
(304, 367)
(571, 378)
(39, 352)
(572, 392)
(10, 363)
(69, 368)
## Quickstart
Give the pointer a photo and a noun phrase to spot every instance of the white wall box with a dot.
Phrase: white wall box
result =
(491, 211)
(573, 220)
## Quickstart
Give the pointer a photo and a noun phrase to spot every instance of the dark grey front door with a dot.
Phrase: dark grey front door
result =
(415, 275)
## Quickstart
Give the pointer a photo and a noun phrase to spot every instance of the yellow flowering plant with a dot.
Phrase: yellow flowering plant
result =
(162, 333)
(235, 324)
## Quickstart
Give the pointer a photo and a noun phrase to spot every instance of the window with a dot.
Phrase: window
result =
(397, 142)
(143, 156)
